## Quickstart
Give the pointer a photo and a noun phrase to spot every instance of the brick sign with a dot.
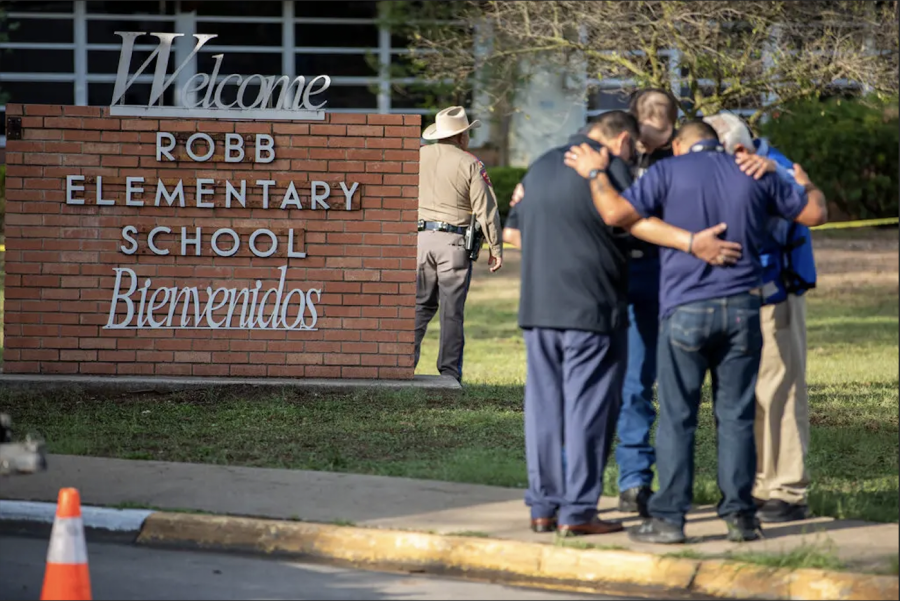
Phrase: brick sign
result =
(157, 246)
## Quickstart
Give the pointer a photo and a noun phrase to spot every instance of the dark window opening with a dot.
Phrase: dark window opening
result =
(347, 35)
(335, 65)
(28, 92)
(349, 97)
(257, 8)
(348, 10)
(34, 31)
(107, 62)
(131, 7)
(242, 34)
(242, 63)
(607, 100)
(40, 7)
(104, 32)
(100, 94)
(37, 61)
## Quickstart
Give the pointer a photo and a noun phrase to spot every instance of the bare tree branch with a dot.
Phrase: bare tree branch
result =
(731, 54)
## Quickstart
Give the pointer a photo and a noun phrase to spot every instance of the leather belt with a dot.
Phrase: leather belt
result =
(440, 226)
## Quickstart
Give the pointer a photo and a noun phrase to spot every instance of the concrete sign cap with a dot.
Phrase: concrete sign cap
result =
(448, 123)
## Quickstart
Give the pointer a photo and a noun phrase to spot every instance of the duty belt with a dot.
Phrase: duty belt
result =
(440, 226)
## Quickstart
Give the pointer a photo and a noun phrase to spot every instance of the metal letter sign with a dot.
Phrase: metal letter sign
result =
(293, 102)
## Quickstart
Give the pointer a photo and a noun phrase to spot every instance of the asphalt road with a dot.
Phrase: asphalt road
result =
(120, 571)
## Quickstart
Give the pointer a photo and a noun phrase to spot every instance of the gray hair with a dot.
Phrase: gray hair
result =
(732, 131)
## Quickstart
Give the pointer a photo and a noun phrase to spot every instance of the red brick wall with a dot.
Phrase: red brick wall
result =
(60, 258)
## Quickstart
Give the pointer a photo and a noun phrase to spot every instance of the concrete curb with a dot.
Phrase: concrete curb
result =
(542, 563)
(121, 521)
(160, 383)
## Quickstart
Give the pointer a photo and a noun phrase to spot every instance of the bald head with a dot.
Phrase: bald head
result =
(690, 133)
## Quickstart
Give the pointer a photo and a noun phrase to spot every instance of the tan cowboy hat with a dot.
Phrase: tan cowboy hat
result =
(448, 123)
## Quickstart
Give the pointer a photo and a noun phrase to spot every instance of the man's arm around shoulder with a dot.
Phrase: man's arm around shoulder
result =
(618, 212)
(816, 210)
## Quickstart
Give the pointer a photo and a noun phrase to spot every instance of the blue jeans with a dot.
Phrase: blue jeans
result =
(634, 454)
(573, 390)
(722, 336)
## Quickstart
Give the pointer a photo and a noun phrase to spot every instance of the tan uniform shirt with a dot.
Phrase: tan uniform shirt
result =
(453, 184)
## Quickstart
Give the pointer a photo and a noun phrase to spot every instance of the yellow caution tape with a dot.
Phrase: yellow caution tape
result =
(840, 225)
(828, 226)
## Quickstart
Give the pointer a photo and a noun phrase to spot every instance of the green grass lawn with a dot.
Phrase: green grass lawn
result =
(477, 436)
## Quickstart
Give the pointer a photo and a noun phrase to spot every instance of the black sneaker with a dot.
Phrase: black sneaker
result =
(635, 500)
(776, 511)
(657, 531)
(743, 527)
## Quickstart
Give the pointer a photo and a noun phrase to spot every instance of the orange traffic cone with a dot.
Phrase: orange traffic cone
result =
(67, 577)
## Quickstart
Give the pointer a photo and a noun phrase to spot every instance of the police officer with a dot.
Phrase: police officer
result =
(453, 185)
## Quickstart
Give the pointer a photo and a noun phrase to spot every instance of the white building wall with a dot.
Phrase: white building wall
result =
(550, 108)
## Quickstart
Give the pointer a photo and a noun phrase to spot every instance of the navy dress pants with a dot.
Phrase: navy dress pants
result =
(573, 392)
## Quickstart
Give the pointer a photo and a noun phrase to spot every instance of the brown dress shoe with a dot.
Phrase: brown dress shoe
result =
(543, 525)
(595, 526)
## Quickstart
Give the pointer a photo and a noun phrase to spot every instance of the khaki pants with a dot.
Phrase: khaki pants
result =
(442, 283)
(782, 404)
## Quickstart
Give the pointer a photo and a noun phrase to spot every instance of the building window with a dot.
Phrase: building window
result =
(601, 100)
(68, 52)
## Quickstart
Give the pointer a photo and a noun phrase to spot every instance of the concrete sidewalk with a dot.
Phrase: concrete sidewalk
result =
(404, 504)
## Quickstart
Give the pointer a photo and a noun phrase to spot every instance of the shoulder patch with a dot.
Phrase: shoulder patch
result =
(485, 176)
(481, 168)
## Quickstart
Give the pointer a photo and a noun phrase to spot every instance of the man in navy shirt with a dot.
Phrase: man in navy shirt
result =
(573, 310)
(656, 112)
(709, 315)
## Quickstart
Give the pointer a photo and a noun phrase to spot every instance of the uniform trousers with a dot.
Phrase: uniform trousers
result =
(443, 274)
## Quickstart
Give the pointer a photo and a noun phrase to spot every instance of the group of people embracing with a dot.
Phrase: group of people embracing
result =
(655, 252)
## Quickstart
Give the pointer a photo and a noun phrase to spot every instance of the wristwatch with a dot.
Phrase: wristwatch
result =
(594, 173)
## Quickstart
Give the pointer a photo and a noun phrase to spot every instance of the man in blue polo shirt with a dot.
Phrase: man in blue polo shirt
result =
(710, 316)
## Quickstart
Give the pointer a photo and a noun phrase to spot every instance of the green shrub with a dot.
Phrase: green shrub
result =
(504, 180)
(848, 147)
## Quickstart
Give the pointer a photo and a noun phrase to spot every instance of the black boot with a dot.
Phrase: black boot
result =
(635, 500)
(743, 527)
(657, 531)
(776, 511)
